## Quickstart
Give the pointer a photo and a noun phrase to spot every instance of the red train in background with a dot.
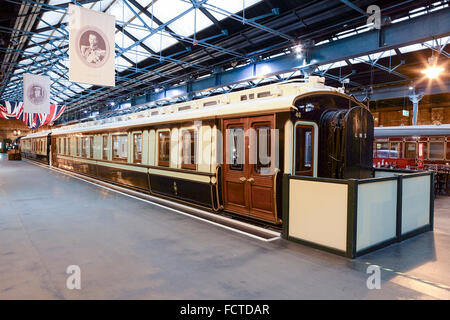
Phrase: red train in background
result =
(412, 147)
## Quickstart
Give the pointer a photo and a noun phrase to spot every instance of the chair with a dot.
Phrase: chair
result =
(446, 186)
(442, 182)
(436, 183)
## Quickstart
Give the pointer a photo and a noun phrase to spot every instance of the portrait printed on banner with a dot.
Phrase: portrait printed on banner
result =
(36, 94)
(92, 46)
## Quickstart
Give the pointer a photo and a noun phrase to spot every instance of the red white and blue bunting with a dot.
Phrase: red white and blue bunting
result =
(14, 110)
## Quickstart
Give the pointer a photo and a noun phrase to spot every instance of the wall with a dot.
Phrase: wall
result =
(427, 115)
(7, 128)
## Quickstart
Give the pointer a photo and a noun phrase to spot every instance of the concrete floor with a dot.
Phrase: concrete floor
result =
(129, 249)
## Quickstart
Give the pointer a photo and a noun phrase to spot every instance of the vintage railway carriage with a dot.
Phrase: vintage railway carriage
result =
(226, 152)
(407, 146)
(36, 146)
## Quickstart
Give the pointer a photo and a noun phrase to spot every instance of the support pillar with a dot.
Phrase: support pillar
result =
(415, 98)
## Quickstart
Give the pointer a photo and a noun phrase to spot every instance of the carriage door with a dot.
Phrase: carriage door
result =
(248, 167)
(261, 169)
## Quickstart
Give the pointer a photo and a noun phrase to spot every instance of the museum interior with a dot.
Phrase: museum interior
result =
(224, 150)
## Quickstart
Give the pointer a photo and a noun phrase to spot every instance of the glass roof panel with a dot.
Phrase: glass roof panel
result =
(120, 11)
(55, 2)
(51, 18)
(138, 33)
(158, 43)
(230, 6)
(147, 20)
(145, 3)
(33, 49)
(77, 89)
(121, 63)
(168, 9)
(137, 55)
(185, 25)
(122, 40)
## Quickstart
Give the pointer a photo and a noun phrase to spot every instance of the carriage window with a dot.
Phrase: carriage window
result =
(436, 150)
(188, 149)
(84, 142)
(91, 147)
(120, 147)
(164, 148)
(137, 148)
(67, 144)
(448, 150)
(425, 150)
(236, 151)
(394, 151)
(303, 150)
(263, 149)
(77, 146)
(105, 147)
(410, 150)
(383, 150)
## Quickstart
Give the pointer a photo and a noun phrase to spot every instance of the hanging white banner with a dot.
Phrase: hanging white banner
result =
(91, 46)
(36, 93)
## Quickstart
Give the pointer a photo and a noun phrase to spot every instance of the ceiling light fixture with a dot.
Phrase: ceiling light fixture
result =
(433, 70)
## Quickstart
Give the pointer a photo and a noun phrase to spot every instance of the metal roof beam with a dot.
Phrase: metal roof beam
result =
(354, 7)
(250, 22)
(398, 92)
(415, 30)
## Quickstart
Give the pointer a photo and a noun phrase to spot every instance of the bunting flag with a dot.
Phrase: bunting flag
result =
(10, 110)
(14, 110)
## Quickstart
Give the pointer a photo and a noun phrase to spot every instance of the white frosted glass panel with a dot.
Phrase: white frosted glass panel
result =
(415, 203)
(380, 174)
(376, 213)
(316, 219)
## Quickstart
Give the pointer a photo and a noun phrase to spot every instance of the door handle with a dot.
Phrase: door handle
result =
(251, 180)
(243, 179)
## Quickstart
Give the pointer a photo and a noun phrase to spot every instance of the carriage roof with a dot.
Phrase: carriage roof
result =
(270, 98)
(422, 130)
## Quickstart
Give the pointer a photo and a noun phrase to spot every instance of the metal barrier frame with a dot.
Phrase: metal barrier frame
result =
(352, 214)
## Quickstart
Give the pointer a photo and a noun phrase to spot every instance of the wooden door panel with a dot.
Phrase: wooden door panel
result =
(248, 191)
(262, 198)
(236, 193)
(235, 189)
(261, 185)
